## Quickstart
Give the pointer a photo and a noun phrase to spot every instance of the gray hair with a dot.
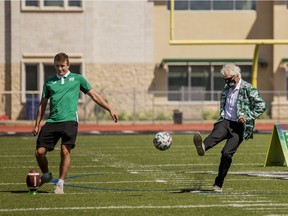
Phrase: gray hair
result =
(232, 69)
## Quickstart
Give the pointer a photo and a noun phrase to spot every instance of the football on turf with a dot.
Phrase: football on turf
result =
(33, 180)
(162, 140)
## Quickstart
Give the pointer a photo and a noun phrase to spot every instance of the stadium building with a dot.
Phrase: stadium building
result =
(122, 47)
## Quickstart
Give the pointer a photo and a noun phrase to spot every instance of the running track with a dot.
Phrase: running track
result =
(132, 128)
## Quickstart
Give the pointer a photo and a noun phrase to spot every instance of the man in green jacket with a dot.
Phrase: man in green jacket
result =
(240, 105)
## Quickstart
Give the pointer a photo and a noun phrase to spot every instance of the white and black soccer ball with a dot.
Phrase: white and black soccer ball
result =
(162, 140)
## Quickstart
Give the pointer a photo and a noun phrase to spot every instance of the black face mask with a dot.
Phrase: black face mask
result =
(230, 81)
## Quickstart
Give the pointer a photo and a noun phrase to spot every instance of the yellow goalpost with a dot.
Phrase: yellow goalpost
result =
(256, 42)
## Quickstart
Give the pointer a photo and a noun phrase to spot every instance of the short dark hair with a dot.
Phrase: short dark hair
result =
(61, 57)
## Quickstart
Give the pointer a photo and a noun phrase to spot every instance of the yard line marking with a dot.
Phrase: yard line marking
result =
(89, 183)
(247, 201)
(160, 181)
(147, 207)
(12, 184)
(94, 132)
(128, 132)
(14, 156)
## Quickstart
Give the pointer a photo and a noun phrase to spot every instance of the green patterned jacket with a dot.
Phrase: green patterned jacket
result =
(249, 103)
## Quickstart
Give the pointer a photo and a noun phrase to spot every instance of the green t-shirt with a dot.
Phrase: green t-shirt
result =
(63, 95)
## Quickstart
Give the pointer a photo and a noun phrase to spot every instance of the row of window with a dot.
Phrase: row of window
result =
(178, 4)
(213, 5)
(189, 83)
(184, 82)
(52, 5)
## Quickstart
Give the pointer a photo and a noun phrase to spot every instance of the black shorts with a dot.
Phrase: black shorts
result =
(51, 132)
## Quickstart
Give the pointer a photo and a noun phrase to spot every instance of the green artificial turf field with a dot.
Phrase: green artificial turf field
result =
(127, 175)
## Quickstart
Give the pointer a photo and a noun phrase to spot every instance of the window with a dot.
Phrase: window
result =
(200, 5)
(52, 5)
(223, 5)
(213, 4)
(49, 71)
(55, 3)
(199, 82)
(74, 3)
(32, 3)
(36, 73)
(30, 83)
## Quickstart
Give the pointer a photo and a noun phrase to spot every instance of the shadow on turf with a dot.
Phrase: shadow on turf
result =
(194, 190)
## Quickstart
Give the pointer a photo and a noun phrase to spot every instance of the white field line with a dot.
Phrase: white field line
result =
(264, 205)
(89, 183)
(135, 182)
(265, 175)
(149, 165)
(247, 201)
(15, 156)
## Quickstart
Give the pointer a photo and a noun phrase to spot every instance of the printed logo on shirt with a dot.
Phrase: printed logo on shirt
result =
(71, 78)
(54, 82)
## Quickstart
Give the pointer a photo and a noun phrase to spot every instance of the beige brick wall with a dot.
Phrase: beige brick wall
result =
(120, 85)
(2, 77)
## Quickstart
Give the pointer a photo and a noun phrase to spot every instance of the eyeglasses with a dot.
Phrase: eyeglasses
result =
(228, 79)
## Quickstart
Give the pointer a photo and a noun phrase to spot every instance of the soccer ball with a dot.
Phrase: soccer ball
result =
(162, 140)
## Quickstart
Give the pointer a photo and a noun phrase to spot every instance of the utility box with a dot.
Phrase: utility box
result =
(177, 117)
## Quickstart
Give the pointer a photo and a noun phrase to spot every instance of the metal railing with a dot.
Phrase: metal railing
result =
(138, 106)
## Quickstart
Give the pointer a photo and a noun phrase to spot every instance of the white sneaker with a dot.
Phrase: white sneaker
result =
(46, 179)
(198, 142)
(59, 189)
(216, 188)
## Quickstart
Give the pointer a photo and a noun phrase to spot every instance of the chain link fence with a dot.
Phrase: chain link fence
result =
(140, 106)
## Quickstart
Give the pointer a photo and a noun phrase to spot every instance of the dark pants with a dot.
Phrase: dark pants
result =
(233, 132)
